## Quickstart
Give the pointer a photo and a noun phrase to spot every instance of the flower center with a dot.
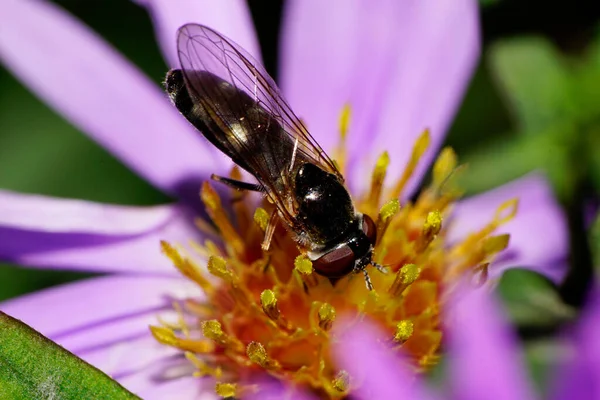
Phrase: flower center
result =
(269, 311)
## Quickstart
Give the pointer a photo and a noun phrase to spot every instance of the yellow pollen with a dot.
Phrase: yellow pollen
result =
(261, 218)
(404, 330)
(419, 149)
(408, 274)
(345, 120)
(258, 355)
(218, 267)
(269, 304)
(269, 311)
(226, 390)
(341, 383)
(326, 316)
(377, 181)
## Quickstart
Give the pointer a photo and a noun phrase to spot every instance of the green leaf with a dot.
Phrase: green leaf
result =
(531, 300)
(34, 367)
(516, 155)
(530, 75)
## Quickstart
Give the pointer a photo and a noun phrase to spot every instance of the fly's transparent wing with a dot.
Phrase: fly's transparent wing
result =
(244, 114)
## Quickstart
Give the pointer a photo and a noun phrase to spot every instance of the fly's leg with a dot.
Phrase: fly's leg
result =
(270, 231)
(238, 185)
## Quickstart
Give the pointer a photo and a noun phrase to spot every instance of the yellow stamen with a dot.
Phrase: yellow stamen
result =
(261, 218)
(404, 330)
(387, 212)
(218, 267)
(166, 336)
(226, 390)
(326, 316)
(258, 355)
(408, 274)
(216, 212)
(185, 266)
(344, 124)
(418, 150)
(269, 304)
(377, 180)
(304, 266)
(431, 228)
(341, 383)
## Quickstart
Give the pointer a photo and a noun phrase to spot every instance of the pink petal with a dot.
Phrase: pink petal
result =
(81, 235)
(110, 328)
(99, 91)
(383, 376)
(185, 388)
(484, 359)
(402, 65)
(229, 17)
(538, 233)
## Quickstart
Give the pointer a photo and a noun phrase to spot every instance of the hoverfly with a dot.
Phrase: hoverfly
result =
(234, 103)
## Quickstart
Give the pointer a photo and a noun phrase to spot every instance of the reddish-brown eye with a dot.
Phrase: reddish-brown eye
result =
(336, 263)
(370, 229)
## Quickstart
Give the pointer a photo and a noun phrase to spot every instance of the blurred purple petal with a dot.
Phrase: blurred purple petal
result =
(361, 353)
(185, 388)
(105, 320)
(403, 66)
(105, 96)
(229, 17)
(538, 233)
(81, 235)
(579, 377)
(484, 360)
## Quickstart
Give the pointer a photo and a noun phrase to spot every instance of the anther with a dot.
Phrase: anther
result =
(257, 354)
(167, 337)
(386, 213)
(431, 227)
(419, 149)
(226, 390)
(377, 180)
(341, 383)
(326, 316)
(304, 267)
(213, 330)
(215, 210)
(495, 244)
(187, 268)
(261, 218)
(218, 267)
(404, 278)
(268, 300)
(404, 330)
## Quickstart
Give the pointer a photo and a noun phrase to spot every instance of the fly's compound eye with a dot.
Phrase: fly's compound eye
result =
(336, 263)
(370, 229)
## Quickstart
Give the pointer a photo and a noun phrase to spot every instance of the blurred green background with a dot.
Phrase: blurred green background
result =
(534, 103)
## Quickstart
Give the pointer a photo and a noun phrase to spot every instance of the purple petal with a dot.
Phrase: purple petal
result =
(229, 17)
(538, 233)
(100, 92)
(110, 328)
(484, 360)
(361, 353)
(75, 234)
(403, 66)
(185, 388)
(579, 377)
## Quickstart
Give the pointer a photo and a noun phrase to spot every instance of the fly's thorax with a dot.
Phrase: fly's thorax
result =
(325, 209)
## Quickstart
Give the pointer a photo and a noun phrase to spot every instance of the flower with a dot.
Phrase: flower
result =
(401, 66)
